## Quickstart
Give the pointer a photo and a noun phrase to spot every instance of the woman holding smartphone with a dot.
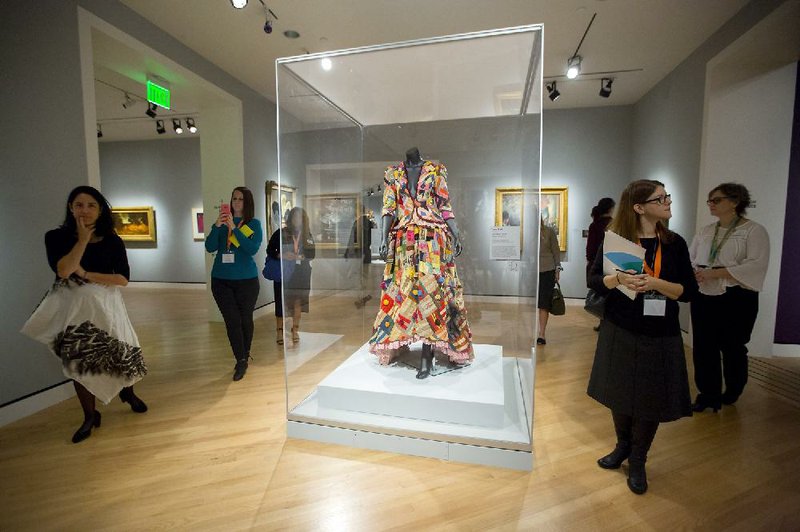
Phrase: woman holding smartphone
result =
(235, 237)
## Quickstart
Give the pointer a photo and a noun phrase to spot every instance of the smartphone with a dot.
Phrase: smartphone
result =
(225, 208)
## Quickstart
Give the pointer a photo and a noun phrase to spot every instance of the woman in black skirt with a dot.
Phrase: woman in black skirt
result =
(639, 369)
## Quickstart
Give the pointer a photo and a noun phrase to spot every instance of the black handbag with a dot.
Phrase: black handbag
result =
(272, 269)
(557, 305)
(595, 304)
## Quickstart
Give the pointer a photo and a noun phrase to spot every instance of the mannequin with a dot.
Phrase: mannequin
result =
(418, 190)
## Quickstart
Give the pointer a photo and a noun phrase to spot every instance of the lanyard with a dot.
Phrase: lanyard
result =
(296, 245)
(716, 247)
(230, 235)
(655, 271)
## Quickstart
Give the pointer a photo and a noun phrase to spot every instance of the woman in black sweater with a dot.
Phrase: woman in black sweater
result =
(639, 369)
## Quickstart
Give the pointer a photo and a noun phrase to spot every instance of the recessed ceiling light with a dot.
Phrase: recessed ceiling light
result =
(291, 34)
(327, 64)
(239, 4)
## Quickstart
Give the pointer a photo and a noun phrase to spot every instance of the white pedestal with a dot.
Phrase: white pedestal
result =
(473, 395)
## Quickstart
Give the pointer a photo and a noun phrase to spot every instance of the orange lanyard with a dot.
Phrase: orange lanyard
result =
(296, 246)
(230, 232)
(655, 271)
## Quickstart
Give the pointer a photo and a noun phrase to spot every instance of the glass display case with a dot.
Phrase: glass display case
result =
(414, 278)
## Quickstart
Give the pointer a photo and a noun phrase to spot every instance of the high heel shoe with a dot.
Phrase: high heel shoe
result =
(295, 334)
(126, 395)
(279, 338)
(84, 432)
(614, 459)
(701, 403)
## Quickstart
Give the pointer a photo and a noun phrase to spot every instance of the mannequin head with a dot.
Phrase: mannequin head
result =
(412, 156)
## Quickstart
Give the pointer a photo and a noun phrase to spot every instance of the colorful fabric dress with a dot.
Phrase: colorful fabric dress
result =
(421, 295)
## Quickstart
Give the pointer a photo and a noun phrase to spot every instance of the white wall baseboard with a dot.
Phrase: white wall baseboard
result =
(30, 405)
(785, 350)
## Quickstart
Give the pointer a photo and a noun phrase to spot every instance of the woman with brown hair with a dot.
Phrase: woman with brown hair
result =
(235, 237)
(297, 249)
(731, 257)
(639, 369)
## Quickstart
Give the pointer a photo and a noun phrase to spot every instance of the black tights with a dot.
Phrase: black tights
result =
(88, 401)
(634, 433)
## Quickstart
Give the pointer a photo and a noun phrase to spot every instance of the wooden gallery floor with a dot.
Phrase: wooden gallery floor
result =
(212, 454)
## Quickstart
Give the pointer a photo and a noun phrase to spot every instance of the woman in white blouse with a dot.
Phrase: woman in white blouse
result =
(730, 258)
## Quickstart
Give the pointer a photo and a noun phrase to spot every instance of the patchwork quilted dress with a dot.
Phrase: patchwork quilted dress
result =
(421, 295)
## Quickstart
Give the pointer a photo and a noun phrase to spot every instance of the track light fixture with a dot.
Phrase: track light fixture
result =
(270, 16)
(99, 131)
(268, 26)
(151, 110)
(176, 125)
(190, 125)
(128, 103)
(239, 4)
(605, 87)
(160, 129)
(574, 66)
(552, 91)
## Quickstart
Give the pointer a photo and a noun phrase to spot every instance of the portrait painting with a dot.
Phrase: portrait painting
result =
(280, 200)
(331, 218)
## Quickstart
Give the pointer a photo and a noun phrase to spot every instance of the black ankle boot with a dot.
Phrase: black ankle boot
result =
(729, 398)
(126, 395)
(637, 477)
(702, 402)
(425, 364)
(86, 429)
(240, 369)
(614, 459)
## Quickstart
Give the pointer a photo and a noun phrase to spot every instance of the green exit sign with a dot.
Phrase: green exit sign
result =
(157, 94)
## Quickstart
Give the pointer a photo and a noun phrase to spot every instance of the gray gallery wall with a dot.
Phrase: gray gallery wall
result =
(44, 154)
(164, 174)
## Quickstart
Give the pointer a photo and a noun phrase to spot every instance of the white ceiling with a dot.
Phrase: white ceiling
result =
(651, 35)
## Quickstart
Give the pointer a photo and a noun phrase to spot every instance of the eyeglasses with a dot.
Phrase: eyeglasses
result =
(661, 200)
(716, 200)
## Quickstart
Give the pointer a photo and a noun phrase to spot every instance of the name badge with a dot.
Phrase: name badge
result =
(298, 262)
(655, 305)
(228, 258)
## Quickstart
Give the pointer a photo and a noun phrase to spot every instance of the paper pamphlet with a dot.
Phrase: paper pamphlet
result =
(621, 254)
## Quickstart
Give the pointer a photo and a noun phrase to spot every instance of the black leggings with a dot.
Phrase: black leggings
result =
(236, 300)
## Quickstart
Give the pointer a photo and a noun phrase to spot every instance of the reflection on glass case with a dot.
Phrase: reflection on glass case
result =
(416, 332)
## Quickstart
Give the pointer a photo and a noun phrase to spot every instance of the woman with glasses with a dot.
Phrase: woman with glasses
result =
(639, 369)
(730, 257)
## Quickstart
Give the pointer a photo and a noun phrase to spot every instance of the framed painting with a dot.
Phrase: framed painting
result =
(280, 200)
(509, 209)
(334, 219)
(198, 228)
(553, 208)
(136, 224)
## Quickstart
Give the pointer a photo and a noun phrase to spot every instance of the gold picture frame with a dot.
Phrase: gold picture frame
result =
(135, 224)
(285, 199)
(553, 207)
(332, 219)
(509, 209)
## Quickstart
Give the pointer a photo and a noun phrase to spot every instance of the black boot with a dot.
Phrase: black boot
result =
(641, 439)
(622, 427)
(240, 369)
(425, 362)
(126, 395)
(702, 402)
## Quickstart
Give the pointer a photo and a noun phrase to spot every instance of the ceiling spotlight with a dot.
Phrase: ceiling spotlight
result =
(268, 26)
(552, 91)
(291, 34)
(605, 87)
(573, 66)
(99, 131)
(160, 129)
(239, 4)
(176, 125)
(327, 64)
(128, 103)
(190, 125)
(151, 110)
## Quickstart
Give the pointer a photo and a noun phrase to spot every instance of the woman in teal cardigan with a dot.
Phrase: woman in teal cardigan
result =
(235, 238)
